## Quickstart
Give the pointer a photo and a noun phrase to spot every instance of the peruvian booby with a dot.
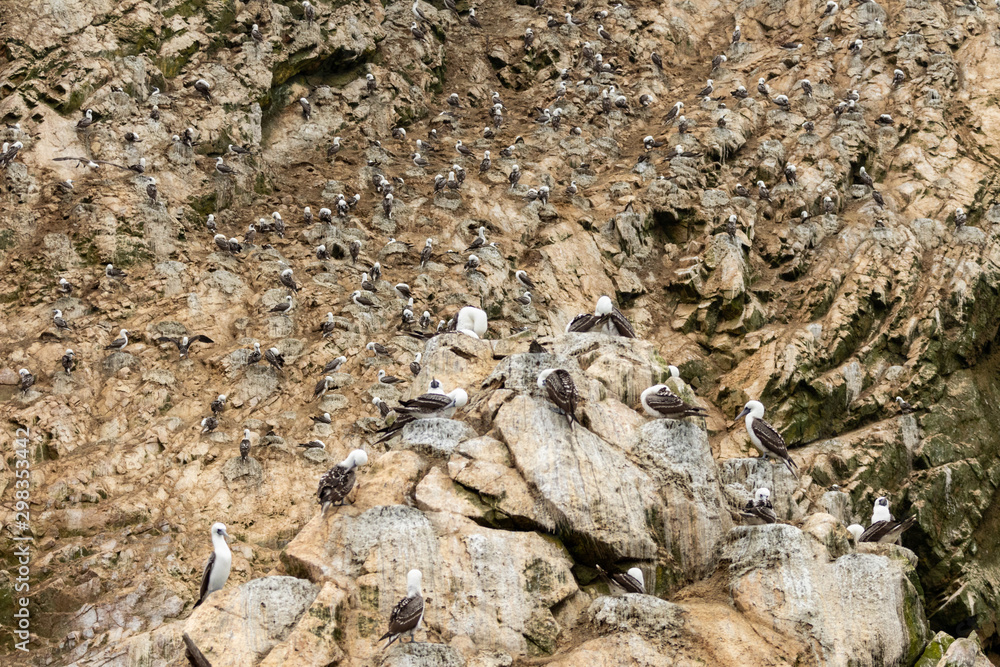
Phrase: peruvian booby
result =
(65, 286)
(274, 357)
(118, 344)
(111, 272)
(383, 407)
(856, 530)
(58, 320)
(308, 11)
(362, 300)
(764, 437)
(245, 445)
(323, 419)
(219, 563)
(255, 356)
(184, 343)
(408, 612)
(334, 365)
(86, 121)
(354, 248)
(472, 264)
(884, 528)
(479, 241)
(337, 482)
(904, 407)
(426, 253)
(219, 404)
(284, 307)
(631, 581)
(559, 387)
(434, 404)
(27, 380)
(204, 88)
(472, 322)
(288, 281)
(69, 361)
(306, 108)
(759, 511)
(322, 386)
(378, 349)
(151, 192)
(209, 424)
(524, 299)
(312, 444)
(658, 401)
(415, 364)
(387, 379)
(473, 20)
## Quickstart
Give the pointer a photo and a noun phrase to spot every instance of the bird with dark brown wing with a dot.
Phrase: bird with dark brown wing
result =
(408, 612)
(338, 481)
(184, 343)
(558, 385)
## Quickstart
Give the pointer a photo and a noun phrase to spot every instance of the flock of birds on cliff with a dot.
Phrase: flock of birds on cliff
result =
(557, 384)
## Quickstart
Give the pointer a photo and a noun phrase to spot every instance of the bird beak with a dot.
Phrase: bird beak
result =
(742, 414)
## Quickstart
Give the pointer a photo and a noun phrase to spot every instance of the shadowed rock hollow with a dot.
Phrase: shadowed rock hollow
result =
(820, 302)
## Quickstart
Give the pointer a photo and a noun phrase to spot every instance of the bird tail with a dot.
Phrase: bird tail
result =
(790, 464)
(391, 640)
(198, 603)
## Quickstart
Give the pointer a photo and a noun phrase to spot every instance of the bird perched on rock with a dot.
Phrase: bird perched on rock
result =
(284, 307)
(408, 612)
(763, 436)
(560, 389)
(209, 424)
(288, 281)
(274, 357)
(759, 511)
(904, 407)
(337, 482)
(27, 380)
(204, 88)
(217, 568)
(960, 217)
(245, 445)
(322, 386)
(219, 404)
(118, 344)
(69, 361)
(658, 401)
(884, 528)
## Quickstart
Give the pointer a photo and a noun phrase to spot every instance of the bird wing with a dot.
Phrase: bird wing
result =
(112, 164)
(335, 484)
(200, 338)
(425, 403)
(667, 402)
(582, 323)
(206, 575)
(628, 582)
(561, 390)
(622, 324)
(320, 386)
(770, 438)
(169, 339)
(406, 614)
(876, 531)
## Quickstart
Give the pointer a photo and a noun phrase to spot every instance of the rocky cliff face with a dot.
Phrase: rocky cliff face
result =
(823, 309)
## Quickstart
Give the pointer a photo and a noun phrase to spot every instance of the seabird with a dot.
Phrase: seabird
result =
(603, 34)
(370, 85)
(322, 386)
(334, 147)
(255, 356)
(865, 178)
(885, 120)
(86, 121)
(274, 357)
(323, 419)
(558, 385)
(58, 320)
(877, 196)
(631, 582)
(338, 481)
(408, 612)
(649, 143)
(184, 342)
(245, 445)
(312, 444)
(378, 349)
(387, 379)
(904, 407)
(707, 90)
(897, 78)
(69, 361)
(65, 286)
(151, 190)
(209, 424)
(256, 34)
(434, 404)
(658, 401)
(219, 404)
(376, 272)
(529, 38)
(855, 46)
(140, 167)
(362, 300)
(306, 108)
(284, 307)
(674, 110)
(479, 241)
(472, 322)
(763, 192)
(288, 281)
(308, 11)
(884, 528)
(354, 248)
(960, 217)
(740, 93)
(831, 9)
(759, 511)
(525, 299)
(334, 365)
(856, 530)
(132, 138)
(217, 568)
(515, 175)
(790, 174)
(657, 60)
(419, 161)
(572, 189)
(118, 344)
(425, 254)
(415, 364)
(473, 21)
(736, 35)
(764, 437)
(202, 87)
(472, 264)
(27, 379)
(221, 167)
(522, 277)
